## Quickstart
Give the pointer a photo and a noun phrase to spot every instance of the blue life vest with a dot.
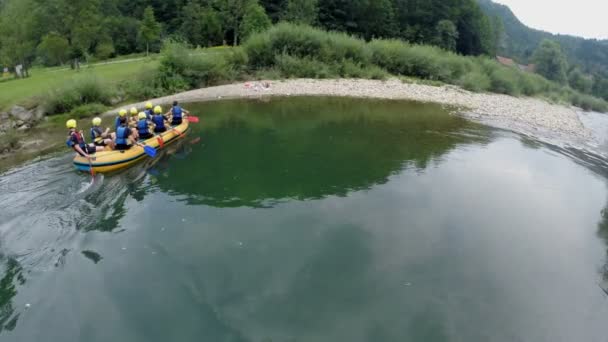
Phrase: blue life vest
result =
(74, 139)
(142, 127)
(159, 121)
(122, 133)
(177, 112)
(149, 114)
(117, 122)
(96, 133)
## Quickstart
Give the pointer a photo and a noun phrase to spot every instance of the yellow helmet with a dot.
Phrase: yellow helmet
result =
(158, 110)
(134, 111)
(96, 121)
(71, 123)
(142, 115)
(122, 112)
(149, 105)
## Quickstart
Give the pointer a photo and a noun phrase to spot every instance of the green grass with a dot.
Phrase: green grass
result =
(44, 80)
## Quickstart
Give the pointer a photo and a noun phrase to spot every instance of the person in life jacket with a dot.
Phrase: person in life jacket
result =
(76, 141)
(133, 119)
(121, 114)
(142, 127)
(176, 113)
(124, 135)
(149, 111)
(159, 120)
(99, 136)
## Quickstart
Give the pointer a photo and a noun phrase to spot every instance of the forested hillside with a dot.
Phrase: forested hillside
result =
(51, 32)
(520, 41)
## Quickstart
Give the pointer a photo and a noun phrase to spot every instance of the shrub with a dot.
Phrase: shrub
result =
(83, 90)
(504, 81)
(299, 67)
(476, 81)
(88, 110)
(303, 42)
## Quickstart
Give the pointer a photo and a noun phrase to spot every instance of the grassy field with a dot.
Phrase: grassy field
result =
(43, 80)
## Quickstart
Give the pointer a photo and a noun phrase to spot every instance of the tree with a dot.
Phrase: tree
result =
(302, 11)
(551, 61)
(17, 39)
(447, 35)
(54, 48)
(105, 49)
(376, 19)
(254, 20)
(580, 81)
(149, 29)
(201, 26)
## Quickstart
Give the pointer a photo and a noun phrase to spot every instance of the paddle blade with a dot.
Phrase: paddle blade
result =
(193, 119)
(150, 151)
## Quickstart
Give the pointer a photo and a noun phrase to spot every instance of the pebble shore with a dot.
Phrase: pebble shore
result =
(524, 115)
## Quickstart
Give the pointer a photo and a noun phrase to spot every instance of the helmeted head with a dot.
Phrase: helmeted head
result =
(71, 124)
(142, 115)
(134, 111)
(158, 110)
(149, 105)
(96, 121)
(122, 113)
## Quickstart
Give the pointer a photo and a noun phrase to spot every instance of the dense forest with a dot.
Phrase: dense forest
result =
(52, 32)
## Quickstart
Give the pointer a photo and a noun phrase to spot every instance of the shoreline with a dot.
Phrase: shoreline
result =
(529, 116)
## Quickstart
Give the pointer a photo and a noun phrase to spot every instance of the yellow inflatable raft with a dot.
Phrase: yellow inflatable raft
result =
(108, 161)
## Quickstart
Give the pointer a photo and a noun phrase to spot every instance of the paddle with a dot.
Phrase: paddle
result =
(192, 119)
(91, 170)
(149, 150)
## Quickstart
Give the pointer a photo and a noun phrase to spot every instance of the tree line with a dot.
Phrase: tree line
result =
(53, 32)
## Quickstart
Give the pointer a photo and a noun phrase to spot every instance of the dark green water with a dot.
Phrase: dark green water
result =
(308, 219)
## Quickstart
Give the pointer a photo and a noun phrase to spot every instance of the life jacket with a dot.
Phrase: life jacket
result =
(122, 134)
(96, 133)
(177, 112)
(74, 139)
(149, 114)
(159, 121)
(142, 127)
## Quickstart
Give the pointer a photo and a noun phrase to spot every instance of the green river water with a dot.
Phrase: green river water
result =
(312, 219)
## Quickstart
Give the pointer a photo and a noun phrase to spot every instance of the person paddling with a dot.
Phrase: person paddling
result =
(121, 114)
(99, 136)
(123, 135)
(76, 141)
(133, 119)
(149, 111)
(142, 127)
(176, 113)
(159, 120)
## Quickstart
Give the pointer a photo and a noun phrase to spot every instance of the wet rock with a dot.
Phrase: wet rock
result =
(3, 116)
(39, 113)
(19, 123)
(24, 127)
(21, 113)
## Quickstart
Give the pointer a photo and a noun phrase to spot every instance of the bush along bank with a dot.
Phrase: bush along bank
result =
(299, 51)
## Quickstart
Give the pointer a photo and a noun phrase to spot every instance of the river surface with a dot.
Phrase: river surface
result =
(312, 219)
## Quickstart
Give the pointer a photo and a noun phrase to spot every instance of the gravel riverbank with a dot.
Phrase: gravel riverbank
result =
(524, 115)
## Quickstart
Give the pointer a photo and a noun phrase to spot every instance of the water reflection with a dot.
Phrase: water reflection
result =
(13, 277)
(256, 154)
